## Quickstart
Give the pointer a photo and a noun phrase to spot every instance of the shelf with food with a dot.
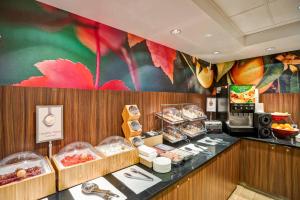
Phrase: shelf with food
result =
(192, 112)
(23, 169)
(192, 129)
(283, 125)
(171, 114)
(172, 134)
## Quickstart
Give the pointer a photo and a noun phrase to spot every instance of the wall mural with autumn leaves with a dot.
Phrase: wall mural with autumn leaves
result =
(41, 46)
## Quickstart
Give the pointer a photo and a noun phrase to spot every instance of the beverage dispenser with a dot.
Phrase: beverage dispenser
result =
(241, 109)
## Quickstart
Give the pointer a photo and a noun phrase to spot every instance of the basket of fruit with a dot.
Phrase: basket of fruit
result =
(284, 130)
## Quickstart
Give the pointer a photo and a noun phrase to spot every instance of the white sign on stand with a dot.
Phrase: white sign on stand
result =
(211, 104)
(49, 124)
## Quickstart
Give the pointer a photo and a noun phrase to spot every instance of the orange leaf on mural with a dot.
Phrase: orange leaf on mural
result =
(163, 57)
(134, 39)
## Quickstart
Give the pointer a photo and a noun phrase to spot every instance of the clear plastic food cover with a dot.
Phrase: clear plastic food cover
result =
(192, 111)
(22, 165)
(173, 134)
(114, 145)
(76, 153)
(172, 114)
(192, 129)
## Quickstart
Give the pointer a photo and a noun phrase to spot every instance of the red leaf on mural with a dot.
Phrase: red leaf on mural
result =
(114, 85)
(63, 73)
(133, 39)
(163, 57)
(110, 38)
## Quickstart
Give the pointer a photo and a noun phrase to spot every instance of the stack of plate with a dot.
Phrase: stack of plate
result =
(162, 164)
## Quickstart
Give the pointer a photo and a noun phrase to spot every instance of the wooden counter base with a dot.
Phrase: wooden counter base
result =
(217, 179)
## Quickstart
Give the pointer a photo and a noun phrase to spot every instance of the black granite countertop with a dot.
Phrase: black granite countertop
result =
(286, 142)
(168, 179)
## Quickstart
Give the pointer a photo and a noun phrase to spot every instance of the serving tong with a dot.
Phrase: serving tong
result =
(93, 188)
(144, 176)
(216, 140)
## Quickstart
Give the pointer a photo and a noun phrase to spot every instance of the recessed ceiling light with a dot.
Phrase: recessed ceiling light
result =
(216, 52)
(298, 7)
(175, 31)
(270, 49)
(208, 35)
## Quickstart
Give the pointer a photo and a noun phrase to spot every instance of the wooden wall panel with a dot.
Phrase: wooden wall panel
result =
(89, 115)
(283, 103)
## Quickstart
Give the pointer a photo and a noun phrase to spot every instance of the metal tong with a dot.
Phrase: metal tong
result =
(93, 188)
(144, 176)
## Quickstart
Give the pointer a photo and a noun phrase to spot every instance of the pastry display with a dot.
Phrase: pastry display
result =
(114, 145)
(19, 166)
(76, 153)
(171, 115)
(192, 130)
(172, 134)
(192, 112)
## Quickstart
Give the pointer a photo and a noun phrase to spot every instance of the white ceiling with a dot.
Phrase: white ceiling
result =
(240, 28)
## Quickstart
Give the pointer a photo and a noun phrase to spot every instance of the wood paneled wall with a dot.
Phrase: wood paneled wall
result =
(283, 103)
(89, 115)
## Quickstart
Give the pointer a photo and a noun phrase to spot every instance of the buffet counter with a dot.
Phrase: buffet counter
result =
(188, 171)
(268, 165)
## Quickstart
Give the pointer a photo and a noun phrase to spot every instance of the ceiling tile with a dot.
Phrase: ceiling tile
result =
(231, 7)
(253, 20)
(285, 11)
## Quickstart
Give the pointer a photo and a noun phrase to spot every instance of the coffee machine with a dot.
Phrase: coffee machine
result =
(241, 108)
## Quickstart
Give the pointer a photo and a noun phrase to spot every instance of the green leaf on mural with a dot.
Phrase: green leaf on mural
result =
(295, 83)
(24, 46)
(223, 68)
(272, 72)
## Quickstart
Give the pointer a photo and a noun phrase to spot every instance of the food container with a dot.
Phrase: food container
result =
(24, 170)
(192, 112)
(283, 125)
(131, 128)
(176, 159)
(118, 153)
(114, 145)
(173, 135)
(76, 163)
(162, 164)
(277, 116)
(185, 154)
(192, 129)
(171, 115)
(131, 112)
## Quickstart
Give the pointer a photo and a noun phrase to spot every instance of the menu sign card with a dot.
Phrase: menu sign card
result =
(49, 123)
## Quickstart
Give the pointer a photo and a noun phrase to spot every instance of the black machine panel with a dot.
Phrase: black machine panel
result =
(262, 123)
